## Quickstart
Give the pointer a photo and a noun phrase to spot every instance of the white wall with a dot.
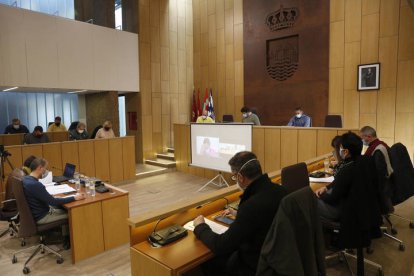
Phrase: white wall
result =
(39, 50)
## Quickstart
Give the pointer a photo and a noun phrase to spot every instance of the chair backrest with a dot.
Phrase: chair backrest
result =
(228, 118)
(295, 177)
(11, 206)
(27, 226)
(73, 125)
(403, 175)
(95, 131)
(333, 121)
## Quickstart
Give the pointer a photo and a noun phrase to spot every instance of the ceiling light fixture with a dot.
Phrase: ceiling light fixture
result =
(9, 89)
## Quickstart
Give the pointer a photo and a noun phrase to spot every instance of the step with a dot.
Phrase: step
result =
(171, 150)
(166, 155)
(161, 162)
(159, 170)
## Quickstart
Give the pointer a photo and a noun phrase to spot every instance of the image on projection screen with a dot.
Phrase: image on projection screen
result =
(212, 145)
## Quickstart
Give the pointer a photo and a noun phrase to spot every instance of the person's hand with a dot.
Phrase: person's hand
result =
(320, 191)
(229, 212)
(79, 196)
(198, 220)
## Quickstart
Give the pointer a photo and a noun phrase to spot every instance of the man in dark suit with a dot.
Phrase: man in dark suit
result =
(15, 127)
(237, 250)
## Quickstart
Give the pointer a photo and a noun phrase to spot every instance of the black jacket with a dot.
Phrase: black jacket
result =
(403, 176)
(355, 186)
(245, 236)
(294, 244)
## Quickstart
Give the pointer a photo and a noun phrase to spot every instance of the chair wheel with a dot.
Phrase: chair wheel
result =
(14, 260)
(394, 231)
(411, 225)
(26, 270)
(59, 261)
(23, 243)
(401, 247)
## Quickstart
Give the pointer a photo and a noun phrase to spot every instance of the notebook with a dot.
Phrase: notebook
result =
(67, 173)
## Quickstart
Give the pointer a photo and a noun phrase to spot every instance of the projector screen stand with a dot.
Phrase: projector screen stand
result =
(218, 181)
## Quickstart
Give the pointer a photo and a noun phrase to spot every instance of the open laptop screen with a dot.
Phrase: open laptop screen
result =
(69, 170)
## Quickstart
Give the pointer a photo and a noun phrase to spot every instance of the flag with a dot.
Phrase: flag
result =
(198, 104)
(194, 113)
(210, 106)
(205, 102)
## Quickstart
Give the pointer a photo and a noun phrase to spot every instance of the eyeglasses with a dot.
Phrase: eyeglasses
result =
(234, 177)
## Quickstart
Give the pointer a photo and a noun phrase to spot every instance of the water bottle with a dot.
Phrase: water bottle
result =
(92, 188)
(77, 185)
(87, 187)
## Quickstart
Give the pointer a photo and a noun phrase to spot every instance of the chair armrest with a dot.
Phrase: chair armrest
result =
(8, 200)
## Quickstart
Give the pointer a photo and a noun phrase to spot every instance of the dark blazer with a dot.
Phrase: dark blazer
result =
(355, 186)
(403, 175)
(294, 244)
(245, 236)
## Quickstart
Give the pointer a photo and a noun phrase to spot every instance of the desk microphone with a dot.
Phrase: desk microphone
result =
(208, 202)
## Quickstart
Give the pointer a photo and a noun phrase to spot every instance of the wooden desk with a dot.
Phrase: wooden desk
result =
(172, 259)
(98, 223)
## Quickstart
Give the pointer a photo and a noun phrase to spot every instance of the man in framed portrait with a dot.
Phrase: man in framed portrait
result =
(369, 76)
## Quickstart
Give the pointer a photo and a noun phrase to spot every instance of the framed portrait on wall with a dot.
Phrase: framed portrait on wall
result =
(369, 77)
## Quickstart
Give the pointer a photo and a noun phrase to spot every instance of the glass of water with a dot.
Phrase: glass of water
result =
(77, 185)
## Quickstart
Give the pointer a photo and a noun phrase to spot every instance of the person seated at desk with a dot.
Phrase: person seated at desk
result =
(237, 250)
(249, 116)
(43, 206)
(79, 133)
(338, 163)
(300, 119)
(26, 164)
(36, 137)
(57, 125)
(106, 131)
(16, 127)
(205, 119)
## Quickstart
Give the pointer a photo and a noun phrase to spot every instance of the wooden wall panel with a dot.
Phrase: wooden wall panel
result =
(259, 144)
(70, 153)
(370, 6)
(352, 20)
(101, 150)
(405, 95)
(406, 39)
(390, 11)
(116, 161)
(15, 159)
(86, 157)
(369, 41)
(36, 150)
(336, 44)
(324, 141)
(272, 152)
(337, 10)
(336, 90)
(12, 139)
(388, 52)
(307, 144)
(128, 149)
(289, 147)
(52, 152)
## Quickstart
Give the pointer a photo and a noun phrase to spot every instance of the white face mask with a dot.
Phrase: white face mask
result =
(342, 154)
(204, 117)
(81, 131)
(365, 143)
(16, 126)
(245, 115)
(298, 116)
(44, 174)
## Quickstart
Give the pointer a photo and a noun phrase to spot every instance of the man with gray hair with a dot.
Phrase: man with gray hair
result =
(379, 151)
(237, 250)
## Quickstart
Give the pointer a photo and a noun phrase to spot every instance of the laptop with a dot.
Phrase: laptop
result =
(67, 173)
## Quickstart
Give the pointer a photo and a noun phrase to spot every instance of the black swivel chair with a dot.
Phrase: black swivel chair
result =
(29, 228)
(295, 177)
(73, 125)
(95, 131)
(9, 211)
(333, 121)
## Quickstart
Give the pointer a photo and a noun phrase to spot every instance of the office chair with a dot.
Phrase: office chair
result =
(294, 244)
(73, 125)
(9, 211)
(333, 121)
(295, 177)
(228, 118)
(29, 228)
(93, 135)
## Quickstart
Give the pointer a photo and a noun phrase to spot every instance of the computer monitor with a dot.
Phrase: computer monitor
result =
(69, 170)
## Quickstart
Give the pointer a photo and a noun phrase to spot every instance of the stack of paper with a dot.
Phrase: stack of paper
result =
(216, 227)
(60, 189)
(322, 179)
(48, 180)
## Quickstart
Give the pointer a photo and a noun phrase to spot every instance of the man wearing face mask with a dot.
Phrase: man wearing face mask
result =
(43, 206)
(106, 131)
(300, 119)
(57, 125)
(237, 250)
(15, 127)
(79, 133)
(249, 116)
(36, 137)
(205, 119)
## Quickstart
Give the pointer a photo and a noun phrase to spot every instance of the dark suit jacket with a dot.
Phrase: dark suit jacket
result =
(294, 244)
(245, 236)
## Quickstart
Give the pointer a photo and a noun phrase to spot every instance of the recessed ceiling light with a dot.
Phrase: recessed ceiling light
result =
(9, 89)
(78, 91)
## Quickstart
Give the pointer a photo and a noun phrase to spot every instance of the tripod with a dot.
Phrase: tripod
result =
(4, 158)
(221, 182)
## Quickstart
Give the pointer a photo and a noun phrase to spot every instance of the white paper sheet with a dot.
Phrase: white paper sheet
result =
(59, 189)
(48, 180)
(322, 179)
(216, 227)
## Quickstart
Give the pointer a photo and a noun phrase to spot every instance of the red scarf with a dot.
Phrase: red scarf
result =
(373, 145)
